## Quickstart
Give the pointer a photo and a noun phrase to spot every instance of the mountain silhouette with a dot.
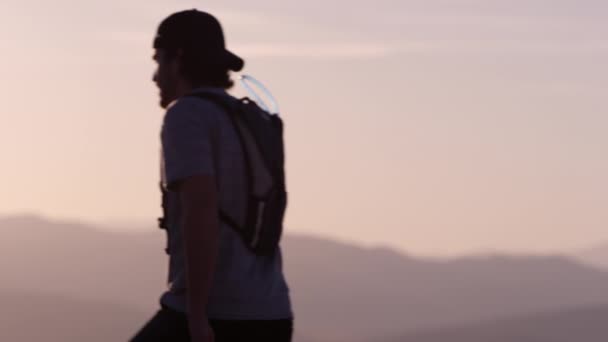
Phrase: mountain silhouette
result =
(340, 292)
(585, 325)
(596, 256)
(378, 291)
(52, 318)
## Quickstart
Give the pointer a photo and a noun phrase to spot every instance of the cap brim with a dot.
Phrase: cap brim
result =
(234, 62)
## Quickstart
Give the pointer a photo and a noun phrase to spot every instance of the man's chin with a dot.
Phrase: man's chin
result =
(165, 102)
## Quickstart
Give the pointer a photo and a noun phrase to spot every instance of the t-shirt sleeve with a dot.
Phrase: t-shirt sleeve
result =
(187, 141)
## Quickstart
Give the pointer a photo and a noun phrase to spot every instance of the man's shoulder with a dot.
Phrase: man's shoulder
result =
(201, 103)
(192, 105)
(194, 108)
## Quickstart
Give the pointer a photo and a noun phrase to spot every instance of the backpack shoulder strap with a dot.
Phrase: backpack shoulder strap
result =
(223, 102)
(220, 100)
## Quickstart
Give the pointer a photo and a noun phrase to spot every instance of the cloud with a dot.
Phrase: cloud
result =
(315, 51)
(363, 50)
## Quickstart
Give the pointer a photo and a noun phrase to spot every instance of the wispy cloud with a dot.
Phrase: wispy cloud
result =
(313, 51)
(363, 50)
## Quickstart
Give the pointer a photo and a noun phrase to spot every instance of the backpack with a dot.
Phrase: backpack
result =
(261, 138)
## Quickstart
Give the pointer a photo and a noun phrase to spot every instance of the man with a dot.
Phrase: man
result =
(219, 290)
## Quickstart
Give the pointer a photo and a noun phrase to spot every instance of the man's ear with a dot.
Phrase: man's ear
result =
(179, 55)
(177, 59)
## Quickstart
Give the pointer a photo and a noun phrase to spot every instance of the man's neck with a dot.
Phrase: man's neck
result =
(183, 88)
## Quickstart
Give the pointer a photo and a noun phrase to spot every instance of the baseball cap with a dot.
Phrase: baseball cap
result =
(197, 32)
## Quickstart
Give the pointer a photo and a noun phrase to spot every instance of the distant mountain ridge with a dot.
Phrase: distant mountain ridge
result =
(340, 292)
(596, 256)
(584, 324)
(27, 317)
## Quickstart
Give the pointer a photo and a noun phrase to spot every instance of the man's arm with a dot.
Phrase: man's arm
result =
(200, 231)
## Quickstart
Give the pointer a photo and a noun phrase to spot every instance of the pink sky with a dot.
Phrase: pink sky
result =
(435, 128)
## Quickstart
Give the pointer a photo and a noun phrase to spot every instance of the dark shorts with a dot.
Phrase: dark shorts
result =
(172, 326)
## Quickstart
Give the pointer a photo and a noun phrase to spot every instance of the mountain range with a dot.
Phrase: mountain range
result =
(87, 279)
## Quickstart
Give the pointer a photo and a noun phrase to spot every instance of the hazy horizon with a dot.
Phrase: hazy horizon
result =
(536, 298)
(437, 127)
(586, 252)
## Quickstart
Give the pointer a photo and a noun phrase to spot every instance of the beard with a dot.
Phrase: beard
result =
(164, 103)
(165, 99)
(167, 84)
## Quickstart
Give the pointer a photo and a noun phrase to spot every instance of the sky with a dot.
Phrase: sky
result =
(436, 127)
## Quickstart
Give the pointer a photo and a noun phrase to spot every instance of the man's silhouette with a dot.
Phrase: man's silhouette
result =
(219, 290)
